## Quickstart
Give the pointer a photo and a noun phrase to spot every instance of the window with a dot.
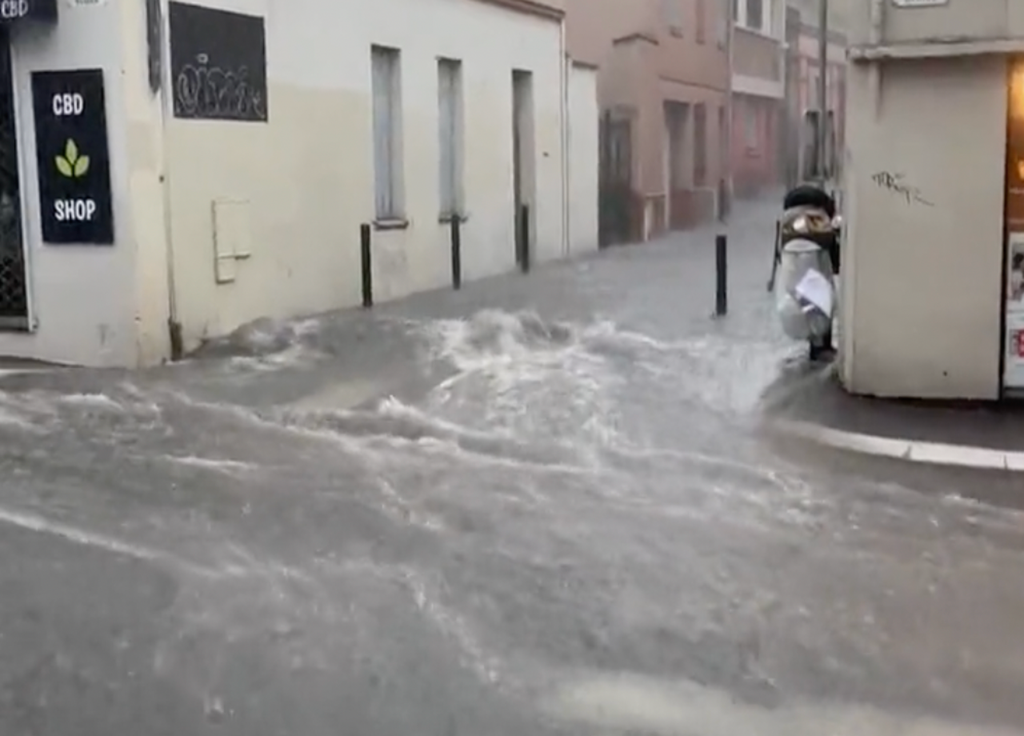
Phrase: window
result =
(722, 22)
(700, 145)
(701, 21)
(755, 15)
(387, 133)
(751, 129)
(672, 12)
(450, 141)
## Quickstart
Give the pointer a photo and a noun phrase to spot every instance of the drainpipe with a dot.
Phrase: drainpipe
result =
(725, 206)
(165, 112)
(822, 142)
(564, 116)
(875, 36)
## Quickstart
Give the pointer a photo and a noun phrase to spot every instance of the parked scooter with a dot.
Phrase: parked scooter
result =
(804, 266)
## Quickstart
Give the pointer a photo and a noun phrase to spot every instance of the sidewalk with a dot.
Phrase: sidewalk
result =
(811, 404)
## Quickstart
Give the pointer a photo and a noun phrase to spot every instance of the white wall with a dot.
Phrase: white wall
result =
(584, 123)
(922, 280)
(308, 173)
(81, 296)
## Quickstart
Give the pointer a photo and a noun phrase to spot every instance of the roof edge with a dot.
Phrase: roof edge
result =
(530, 7)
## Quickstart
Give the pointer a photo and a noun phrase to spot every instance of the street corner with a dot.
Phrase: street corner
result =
(808, 404)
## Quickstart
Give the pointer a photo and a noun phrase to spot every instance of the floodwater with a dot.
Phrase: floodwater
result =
(549, 504)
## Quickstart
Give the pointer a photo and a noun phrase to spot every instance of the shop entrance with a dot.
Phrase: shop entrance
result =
(13, 272)
(1013, 301)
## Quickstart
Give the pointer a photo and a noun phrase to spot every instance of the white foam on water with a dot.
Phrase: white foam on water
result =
(227, 466)
(42, 525)
(633, 703)
(93, 401)
(290, 357)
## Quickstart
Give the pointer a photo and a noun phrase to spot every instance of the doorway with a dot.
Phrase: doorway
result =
(678, 163)
(523, 166)
(1012, 363)
(13, 272)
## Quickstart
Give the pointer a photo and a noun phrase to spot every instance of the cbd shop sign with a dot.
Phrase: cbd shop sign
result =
(73, 157)
(12, 10)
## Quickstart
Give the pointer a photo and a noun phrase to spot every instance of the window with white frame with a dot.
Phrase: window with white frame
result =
(387, 132)
(450, 140)
(755, 15)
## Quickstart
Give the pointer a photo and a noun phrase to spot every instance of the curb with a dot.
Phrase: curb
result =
(934, 453)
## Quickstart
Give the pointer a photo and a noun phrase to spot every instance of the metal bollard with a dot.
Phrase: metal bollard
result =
(776, 255)
(524, 235)
(721, 276)
(456, 252)
(367, 264)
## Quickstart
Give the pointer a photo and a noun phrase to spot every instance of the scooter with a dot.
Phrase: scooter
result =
(807, 250)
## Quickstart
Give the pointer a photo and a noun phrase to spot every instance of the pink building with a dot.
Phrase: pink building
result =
(662, 81)
(759, 94)
(809, 94)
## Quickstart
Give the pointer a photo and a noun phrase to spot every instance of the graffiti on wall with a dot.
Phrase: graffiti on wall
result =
(897, 184)
(218, 64)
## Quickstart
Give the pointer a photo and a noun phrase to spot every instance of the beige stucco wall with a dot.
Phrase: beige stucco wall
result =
(307, 175)
(922, 282)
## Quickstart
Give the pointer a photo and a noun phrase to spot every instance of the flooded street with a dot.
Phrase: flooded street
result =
(549, 504)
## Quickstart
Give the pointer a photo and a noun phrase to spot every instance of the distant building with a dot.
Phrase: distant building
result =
(803, 55)
(190, 166)
(662, 81)
(759, 90)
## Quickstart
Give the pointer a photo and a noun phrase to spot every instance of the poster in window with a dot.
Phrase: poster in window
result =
(218, 64)
(1015, 273)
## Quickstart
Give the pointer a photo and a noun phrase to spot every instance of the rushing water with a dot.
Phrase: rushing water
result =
(501, 524)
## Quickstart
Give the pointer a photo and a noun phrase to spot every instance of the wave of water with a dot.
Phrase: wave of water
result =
(563, 480)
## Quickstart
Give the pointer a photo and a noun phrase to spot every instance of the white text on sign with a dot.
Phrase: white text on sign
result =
(11, 9)
(68, 103)
(74, 210)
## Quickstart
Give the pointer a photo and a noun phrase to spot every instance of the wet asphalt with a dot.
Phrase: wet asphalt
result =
(546, 504)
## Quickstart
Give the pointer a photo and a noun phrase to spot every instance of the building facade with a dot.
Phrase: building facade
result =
(803, 91)
(759, 90)
(933, 282)
(662, 87)
(172, 170)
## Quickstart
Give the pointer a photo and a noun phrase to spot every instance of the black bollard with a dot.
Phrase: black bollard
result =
(776, 255)
(456, 252)
(367, 264)
(524, 235)
(721, 276)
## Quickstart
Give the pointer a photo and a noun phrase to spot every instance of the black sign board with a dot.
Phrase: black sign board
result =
(74, 160)
(218, 64)
(12, 10)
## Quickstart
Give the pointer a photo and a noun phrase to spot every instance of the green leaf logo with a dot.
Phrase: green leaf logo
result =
(72, 164)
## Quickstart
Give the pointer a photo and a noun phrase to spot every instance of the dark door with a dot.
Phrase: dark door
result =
(615, 182)
(13, 287)
(522, 163)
